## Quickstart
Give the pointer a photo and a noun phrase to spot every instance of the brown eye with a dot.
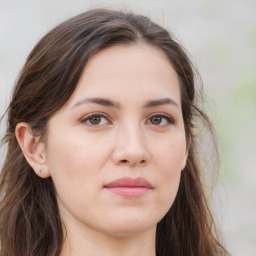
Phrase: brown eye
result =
(160, 120)
(95, 120)
(156, 120)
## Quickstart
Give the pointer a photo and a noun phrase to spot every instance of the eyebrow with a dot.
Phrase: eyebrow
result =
(159, 102)
(100, 101)
(110, 103)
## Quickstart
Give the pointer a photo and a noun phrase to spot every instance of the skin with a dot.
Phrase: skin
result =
(82, 154)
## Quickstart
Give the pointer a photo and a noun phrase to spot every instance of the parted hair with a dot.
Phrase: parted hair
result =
(30, 223)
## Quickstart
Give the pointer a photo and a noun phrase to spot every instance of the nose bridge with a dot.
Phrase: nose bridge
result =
(131, 145)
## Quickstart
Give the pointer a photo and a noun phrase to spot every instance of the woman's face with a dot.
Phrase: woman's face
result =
(116, 149)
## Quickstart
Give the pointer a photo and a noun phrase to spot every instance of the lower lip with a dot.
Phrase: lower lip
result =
(131, 192)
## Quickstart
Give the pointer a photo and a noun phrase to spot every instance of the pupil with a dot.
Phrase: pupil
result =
(95, 120)
(156, 120)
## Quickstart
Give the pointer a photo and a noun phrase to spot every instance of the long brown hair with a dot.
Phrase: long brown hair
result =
(30, 223)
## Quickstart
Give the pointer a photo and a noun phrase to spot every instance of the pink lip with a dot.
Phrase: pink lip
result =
(129, 187)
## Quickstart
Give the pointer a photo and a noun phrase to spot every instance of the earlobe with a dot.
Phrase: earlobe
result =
(33, 149)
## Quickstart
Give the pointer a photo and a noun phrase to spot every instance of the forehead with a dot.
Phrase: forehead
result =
(124, 71)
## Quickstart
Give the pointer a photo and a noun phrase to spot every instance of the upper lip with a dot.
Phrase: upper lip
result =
(129, 182)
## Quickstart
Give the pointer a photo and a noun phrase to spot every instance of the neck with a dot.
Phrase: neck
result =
(91, 242)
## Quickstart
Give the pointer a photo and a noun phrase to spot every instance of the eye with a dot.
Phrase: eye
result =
(95, 119)
(160, 120)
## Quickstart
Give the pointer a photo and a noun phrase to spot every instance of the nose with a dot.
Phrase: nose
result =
(130, 149)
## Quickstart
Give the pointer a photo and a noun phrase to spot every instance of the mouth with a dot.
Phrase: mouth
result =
(129, 187)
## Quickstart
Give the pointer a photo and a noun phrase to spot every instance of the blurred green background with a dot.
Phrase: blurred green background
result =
(221, 39)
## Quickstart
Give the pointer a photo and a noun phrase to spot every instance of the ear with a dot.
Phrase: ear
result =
(33, 149)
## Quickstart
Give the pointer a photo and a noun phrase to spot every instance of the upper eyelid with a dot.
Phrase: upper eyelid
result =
(169, 119)
(84, 117)
(161, 114)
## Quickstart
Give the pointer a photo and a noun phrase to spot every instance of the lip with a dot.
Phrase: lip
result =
(129, 187)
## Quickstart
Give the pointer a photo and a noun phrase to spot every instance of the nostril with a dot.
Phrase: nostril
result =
(124, 161)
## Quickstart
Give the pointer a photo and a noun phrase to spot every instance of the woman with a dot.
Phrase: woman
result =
(101, 148)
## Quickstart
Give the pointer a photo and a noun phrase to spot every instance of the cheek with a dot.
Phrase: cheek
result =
(74, 155)
(73, 163)
(169, 157)
(170, 154)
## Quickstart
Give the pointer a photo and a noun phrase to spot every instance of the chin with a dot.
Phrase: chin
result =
(131, 224)
(131, 231)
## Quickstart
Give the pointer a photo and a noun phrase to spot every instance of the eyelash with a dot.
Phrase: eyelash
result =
(163, 116)
(89, 117)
